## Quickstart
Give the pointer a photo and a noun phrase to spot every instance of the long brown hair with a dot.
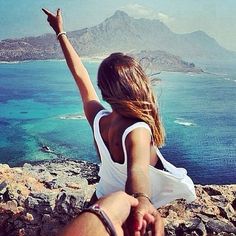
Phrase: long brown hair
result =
(126, 87)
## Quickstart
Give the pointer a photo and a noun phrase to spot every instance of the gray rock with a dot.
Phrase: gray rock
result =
(226, 234)
(227, 212)
(204, 218)
(170, 230)
(211, 191)
(8, 195)
(18, 224)
(52, 184)
(69, 202)
(192, 227)
(39, 172)
(234, 204)
(3, 186)
(32, 230)
(219, 198)
(36, 218)
(39, 202)
(217, 226)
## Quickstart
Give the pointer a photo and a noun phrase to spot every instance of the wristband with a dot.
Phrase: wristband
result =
(61, 33)
(137, 195)
(95, 209)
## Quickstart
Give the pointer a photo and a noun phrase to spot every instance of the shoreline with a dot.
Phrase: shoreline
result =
(36, 200)
(99, 59)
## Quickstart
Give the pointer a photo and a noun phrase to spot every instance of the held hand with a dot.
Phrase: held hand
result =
(55, 20)
(145, 218)
(117, 206)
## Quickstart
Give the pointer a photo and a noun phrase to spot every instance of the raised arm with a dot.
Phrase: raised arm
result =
(89, 96)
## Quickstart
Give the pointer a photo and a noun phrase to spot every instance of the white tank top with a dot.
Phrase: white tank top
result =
(166, 186)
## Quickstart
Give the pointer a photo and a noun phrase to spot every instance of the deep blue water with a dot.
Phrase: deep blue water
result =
(40, 105)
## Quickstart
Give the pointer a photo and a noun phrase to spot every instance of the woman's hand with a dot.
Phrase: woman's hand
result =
(145, 217)
(55, 20)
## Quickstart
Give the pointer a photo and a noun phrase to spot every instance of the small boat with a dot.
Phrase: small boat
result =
(46, 149)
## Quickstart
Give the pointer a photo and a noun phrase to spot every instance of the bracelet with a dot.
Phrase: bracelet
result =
(61, 33)
(137, 195)
(95, 209)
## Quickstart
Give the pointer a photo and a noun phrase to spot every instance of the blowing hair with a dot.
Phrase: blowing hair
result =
(126, 87)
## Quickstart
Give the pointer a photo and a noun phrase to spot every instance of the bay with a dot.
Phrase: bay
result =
(40, 105)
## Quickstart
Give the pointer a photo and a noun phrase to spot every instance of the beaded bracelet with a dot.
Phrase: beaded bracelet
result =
(136, 195)
(61, 33)
(95, 209)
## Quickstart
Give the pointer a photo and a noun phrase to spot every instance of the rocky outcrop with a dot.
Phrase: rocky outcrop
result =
(157, 61)
(40, 199)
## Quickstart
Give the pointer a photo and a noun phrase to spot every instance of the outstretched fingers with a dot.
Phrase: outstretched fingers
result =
(47, 12)
(58, 12)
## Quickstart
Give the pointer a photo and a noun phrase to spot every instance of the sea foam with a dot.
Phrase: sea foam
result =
(184, 122)
(72, 117)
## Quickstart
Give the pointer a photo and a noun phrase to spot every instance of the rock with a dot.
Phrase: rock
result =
(12, 206)
(8, 195)
(32, 231)
(234, 204)
(192, 227)
(70, 203)
(227, 212)
(52, 184)
(211, 191)
(220, 200)
(217, 226)
(3, 187)
(169, 230)
(210, 210)
(4, 168)
(29, 217)
(39, 206)
(204, 218)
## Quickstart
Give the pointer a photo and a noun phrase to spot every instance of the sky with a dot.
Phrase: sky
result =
(19, 18)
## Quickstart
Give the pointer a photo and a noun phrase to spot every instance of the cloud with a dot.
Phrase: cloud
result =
(139, 11)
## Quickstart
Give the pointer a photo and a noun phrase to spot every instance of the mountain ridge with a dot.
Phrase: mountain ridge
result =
(120, 32)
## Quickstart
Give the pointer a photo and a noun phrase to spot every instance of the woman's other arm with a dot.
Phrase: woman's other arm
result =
(138, 146)
(89, 96)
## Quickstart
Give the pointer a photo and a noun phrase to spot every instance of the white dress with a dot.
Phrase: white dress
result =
(166, 186)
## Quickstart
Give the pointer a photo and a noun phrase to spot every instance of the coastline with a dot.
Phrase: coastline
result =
(100, 58)
(40, 198)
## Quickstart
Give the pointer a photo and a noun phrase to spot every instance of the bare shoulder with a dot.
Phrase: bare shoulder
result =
(138, 147)
(91, 109)
(138, 136)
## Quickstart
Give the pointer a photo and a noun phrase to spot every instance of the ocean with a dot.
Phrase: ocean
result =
(40, 106)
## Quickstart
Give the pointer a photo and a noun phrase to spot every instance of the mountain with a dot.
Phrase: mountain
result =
(119, 32)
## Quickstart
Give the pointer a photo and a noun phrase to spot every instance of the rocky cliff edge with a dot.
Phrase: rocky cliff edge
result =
(40, 199)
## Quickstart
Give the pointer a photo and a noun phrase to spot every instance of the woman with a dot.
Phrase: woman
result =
(126, 138)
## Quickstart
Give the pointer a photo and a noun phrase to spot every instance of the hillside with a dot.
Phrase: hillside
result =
(119, 32)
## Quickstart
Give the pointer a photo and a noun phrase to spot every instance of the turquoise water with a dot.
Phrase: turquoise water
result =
(40, 105)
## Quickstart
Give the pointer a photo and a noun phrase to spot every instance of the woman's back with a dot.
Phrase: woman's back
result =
(112, 128)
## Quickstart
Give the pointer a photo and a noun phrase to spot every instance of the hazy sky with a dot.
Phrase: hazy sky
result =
(216, 17)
